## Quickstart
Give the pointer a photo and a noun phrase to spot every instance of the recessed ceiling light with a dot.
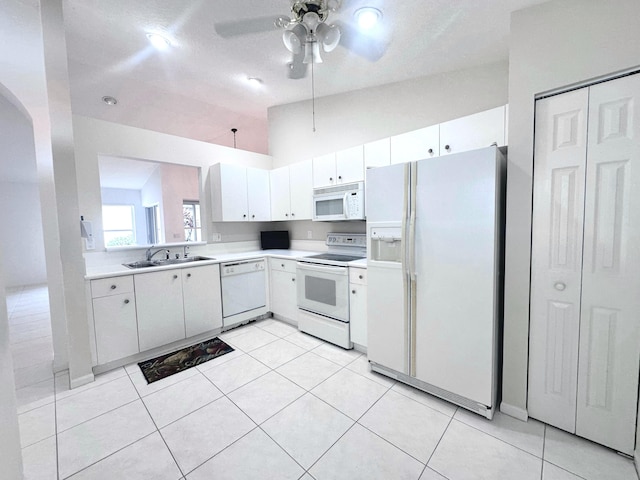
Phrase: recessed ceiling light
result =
(367, 17)
(109, 100)
(158, 41)
(254, 81)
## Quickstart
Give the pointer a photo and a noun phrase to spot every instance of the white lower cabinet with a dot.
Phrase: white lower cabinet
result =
(358, 305)
(159, 308)
(283, 288)
(114, 315)
(201, 299)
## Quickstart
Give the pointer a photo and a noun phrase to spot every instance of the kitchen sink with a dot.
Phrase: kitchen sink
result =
(169, 261)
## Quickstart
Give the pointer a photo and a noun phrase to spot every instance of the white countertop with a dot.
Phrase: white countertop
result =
(105, 271)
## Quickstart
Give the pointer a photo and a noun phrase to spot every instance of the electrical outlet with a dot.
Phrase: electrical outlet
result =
(217, 237)
(90, 243)
(309, 234)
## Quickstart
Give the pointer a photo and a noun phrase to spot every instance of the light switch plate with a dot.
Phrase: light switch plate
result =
(217, 237)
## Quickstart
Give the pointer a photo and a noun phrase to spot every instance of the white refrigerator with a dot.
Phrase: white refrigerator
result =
(434, 238)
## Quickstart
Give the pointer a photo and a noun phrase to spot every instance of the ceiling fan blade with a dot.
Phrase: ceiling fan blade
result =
(247, 27)
(297, 69)
(366, 45)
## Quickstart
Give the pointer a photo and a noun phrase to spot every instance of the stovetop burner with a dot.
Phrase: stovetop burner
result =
(335, 257)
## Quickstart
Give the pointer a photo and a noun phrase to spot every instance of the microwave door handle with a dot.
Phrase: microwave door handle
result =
(345, 205)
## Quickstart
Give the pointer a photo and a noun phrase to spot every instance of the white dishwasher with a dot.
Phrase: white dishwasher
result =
(244, 289)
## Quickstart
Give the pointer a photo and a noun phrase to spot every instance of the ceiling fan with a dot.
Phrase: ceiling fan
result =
(306, 31)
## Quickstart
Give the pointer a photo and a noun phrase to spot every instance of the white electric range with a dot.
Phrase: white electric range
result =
(323, 288)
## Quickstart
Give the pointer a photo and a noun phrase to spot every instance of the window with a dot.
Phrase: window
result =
(192, 225)
(154, 235)
(118, 225)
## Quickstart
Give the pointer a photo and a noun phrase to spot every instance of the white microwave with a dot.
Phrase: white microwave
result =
(339, 202)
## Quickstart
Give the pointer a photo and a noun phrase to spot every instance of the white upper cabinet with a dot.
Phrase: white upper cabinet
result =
(473, 131)
(345, 166)
(291, 192)
(301, 190)
(324, 170)
(416, 145)
(280, 195)
(259, 199)
(377, 154)
(239, 194)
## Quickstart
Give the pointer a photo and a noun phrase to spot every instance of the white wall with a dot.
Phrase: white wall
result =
(21, 242)
(553, 45)
(96, 137)
(362, 116)
(178, 184)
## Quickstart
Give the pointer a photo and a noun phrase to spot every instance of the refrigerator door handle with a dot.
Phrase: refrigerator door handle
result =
(412, 270)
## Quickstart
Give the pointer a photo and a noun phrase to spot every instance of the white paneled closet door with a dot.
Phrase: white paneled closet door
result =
(585, 287)
(610, 320)
(556, 260)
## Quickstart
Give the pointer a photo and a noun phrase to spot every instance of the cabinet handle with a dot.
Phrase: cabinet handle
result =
(331, 179)
(253, 216)
(244, 216)
(353, 291)
(282, 265)
(447, 147)
(113, 287)
(360, 277)
(293, 214)
(188, 275)
(126, 301)
(293, 279)
(559, 286)
(339, 177)
(430, 151)
(286, 214)
(175, 277)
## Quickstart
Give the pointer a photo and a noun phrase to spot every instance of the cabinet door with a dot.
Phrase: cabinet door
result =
(202, 299)
(324, 170)
(416, 145)
(258, 195)
(358, 314)
(229, 193)
(610, 304)
(115, 326)
(350, 165)
(473, 131)
(556, 257)
(301, 190)
(283, 294)
(377, 154)
(279, 186)
(159, 308)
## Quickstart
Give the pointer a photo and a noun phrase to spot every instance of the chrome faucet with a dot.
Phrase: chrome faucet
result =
(151, 255)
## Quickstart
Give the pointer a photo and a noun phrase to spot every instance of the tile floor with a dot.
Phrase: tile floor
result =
(283, 405)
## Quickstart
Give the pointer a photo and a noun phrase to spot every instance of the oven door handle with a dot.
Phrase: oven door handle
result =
(316, 267)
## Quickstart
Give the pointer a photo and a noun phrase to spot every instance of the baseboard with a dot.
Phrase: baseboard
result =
(515, 412)
(78, 382)
(59, 367)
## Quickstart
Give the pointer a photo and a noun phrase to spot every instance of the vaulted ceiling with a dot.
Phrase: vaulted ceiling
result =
(197, 88)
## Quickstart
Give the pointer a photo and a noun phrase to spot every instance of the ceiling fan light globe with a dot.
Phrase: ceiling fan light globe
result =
(312, 53)
(292, 42)
(311, 20)
(330, 35)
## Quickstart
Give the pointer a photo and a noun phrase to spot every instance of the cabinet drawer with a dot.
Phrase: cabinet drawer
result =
(281, 265)
(358, 275)
(105, 287)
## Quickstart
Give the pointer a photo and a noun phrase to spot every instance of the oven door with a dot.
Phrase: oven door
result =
(323, 289)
